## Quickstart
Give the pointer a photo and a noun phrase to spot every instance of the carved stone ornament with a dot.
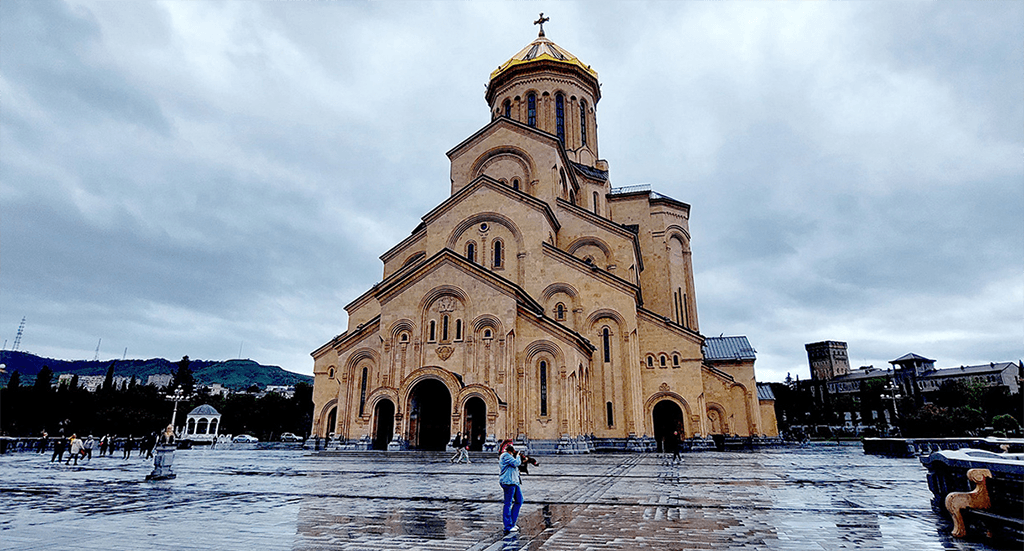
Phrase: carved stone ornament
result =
(446, 304)
(444, 352)
(664, 387)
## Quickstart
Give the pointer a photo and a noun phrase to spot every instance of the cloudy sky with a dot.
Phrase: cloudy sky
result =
(205, 178)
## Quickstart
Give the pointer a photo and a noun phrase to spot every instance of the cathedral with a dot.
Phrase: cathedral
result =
(537, 302)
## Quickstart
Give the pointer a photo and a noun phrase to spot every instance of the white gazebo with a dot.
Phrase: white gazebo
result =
(202, 424)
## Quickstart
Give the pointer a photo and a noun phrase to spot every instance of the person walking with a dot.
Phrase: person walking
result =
(464, 450)
(149, 444)
(457, 444)
(44, 442)
(508, 466)
(128, 445)
(90, 443)
(104, 442)
(58, 449)
(676, 444)
(76, 449)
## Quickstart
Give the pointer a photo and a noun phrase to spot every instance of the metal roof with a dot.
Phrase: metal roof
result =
(728, 348)
(764, 392)
(910, 356)
(967, 370)
(205, 409)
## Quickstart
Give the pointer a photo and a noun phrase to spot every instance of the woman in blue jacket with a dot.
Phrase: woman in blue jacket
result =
(508, 462)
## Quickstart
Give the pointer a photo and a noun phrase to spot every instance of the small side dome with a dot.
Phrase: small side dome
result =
(204, 409)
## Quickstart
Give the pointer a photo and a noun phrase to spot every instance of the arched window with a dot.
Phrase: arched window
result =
(606, 342)
(433, 331)
(560, 312)
(202, 426)
(507, 109)
(597, 204)
(543, 388)
(560, 117)
(675, 360)
(458, 329)
(515, 183)
(444, 329)
(583, 123)
(487, 333)
(661, 359)
(611, 420)
(330, 373)
(531, 110)
(362, 391)
(471, 251)
(650, 361)
(191, 426)
(498, 254)
(404, 337)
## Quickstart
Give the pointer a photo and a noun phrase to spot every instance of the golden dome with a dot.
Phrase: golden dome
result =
(539, 50)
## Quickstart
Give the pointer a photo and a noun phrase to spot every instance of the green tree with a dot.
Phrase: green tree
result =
(183, 377)
(43, 380)
(1004, 425)
(108, 381)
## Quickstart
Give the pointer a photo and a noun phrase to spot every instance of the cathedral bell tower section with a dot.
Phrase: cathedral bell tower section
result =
(546, 87)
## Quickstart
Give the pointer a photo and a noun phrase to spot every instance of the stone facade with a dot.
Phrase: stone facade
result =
(536, 302)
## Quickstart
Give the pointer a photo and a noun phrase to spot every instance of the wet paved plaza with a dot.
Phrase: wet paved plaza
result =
(811, 498)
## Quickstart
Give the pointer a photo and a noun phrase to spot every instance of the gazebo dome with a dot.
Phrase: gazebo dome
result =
(202, 425)
(205, 409)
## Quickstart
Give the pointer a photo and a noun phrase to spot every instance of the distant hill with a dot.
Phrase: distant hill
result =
(235, 374)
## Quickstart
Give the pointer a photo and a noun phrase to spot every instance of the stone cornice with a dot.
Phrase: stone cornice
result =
(419, 233)
(671, 325)
(385, 290)
(525, 130)
(562, 332)
(360, 332)
(491, 183)
(602, 275)
(607, 225)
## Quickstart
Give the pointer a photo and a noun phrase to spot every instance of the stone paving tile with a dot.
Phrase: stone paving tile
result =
(815, 498)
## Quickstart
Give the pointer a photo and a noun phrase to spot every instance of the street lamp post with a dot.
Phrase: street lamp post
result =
(177, 396)
(165, 449)
(893, 390)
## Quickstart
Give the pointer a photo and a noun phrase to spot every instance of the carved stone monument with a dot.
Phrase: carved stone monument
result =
(164, 456)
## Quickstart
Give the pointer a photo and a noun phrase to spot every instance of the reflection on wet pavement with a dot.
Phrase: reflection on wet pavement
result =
(817, 497)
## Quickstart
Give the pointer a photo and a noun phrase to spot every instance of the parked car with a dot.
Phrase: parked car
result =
(290, 437)
(245, 439)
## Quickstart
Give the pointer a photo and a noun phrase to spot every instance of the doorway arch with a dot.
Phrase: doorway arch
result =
(383, 424)
(430, 406)
(667, 418)
(475, 422)
(332, 422)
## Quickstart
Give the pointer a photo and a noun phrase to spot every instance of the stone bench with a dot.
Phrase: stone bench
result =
(994, 507)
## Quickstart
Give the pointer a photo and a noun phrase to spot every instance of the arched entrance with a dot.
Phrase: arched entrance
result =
(430, 413)
(383, 424)
(475, 423)
(667, 418)
(332, 422)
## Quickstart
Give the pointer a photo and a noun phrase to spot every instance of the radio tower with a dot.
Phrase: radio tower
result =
(17, 339)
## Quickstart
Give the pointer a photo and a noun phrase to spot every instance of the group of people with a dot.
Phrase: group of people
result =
(461, 445)
(79, 448)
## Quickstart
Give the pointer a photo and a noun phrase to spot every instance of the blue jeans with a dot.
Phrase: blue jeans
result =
(513, 501)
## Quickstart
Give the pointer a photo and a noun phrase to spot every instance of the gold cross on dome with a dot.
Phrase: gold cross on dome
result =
(541, 22)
